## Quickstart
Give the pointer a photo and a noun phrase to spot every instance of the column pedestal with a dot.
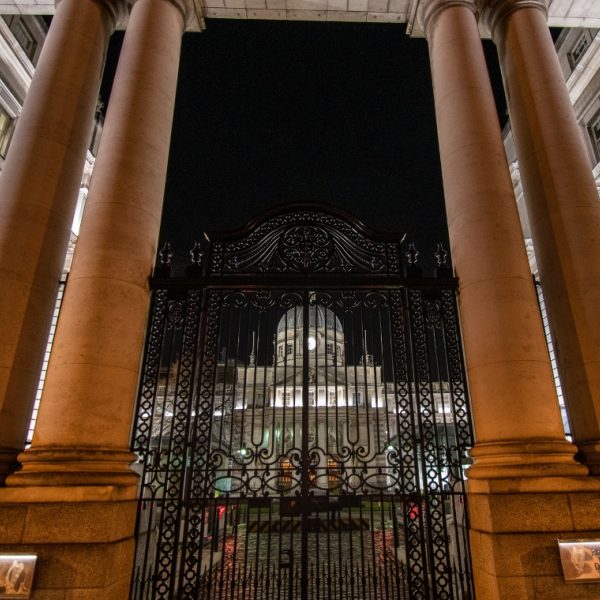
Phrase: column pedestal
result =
(83, 538)
(514, 528)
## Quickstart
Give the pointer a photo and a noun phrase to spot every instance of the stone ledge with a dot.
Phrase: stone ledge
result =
(512, 513)
(67, 523)
(533, 485)
(535, 512)
(585, 510)
(97, 493)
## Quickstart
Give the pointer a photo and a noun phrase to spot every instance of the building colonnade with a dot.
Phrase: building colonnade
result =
(78, 465)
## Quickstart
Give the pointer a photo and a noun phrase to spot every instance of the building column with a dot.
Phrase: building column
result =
(525, 489)
(562, 205)
(39, 186)
(515, 410)
(83, 427)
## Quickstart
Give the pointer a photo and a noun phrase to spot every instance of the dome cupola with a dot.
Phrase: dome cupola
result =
(325, 336)
(319, 318)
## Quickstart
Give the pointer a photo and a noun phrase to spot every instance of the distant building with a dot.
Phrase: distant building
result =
(257, 407)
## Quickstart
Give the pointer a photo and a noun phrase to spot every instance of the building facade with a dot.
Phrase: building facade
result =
(71, 496)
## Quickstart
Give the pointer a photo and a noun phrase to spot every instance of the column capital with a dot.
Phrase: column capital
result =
(429, 9)
(117, 9)
(185, 8)
(495, 11)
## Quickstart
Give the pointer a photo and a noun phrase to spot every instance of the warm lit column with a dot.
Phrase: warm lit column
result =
(38, 194)
(516, 415)
(83, 427)
(562, 204)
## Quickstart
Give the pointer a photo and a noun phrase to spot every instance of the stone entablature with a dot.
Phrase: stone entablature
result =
(578, 13)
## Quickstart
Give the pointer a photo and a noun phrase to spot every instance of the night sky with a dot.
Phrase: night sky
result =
(271, 112)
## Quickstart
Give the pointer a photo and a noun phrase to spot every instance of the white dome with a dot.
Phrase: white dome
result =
(318, 318)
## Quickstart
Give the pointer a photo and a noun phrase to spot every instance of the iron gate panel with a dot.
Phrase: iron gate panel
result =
(302, 434)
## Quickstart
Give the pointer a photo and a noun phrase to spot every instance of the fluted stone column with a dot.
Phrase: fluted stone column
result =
(38, 194)
(516, 414)
(562, 204)
(83, 427)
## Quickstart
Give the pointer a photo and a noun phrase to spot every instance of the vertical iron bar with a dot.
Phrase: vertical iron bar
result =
(305, 457)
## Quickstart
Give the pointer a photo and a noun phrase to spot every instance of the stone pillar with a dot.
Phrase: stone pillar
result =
(83, 428)
(525, 489)
(515, 410)
(562, 205)
(38, 194)
(74, 501)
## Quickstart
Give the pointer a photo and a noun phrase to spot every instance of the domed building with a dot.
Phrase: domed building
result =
(264, 402)
(351, 410)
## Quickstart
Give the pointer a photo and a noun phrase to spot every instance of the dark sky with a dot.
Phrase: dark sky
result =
(270, 112)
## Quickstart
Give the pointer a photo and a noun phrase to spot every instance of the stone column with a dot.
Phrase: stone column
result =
(562, 205)
(83, 427)
(516, 415)
(525, 489)
(38, 194)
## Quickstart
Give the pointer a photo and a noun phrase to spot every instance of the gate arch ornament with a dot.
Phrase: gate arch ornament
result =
(302, 423)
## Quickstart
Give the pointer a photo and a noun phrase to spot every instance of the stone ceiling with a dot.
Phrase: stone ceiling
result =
(563, 13)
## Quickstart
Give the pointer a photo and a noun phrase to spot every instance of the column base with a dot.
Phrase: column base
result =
(590, 455)
(535, 458)
(55, 466)
(8, 462)
(513, 535)
(83, 538)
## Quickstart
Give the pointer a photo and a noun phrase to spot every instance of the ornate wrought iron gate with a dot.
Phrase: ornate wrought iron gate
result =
(302, 422)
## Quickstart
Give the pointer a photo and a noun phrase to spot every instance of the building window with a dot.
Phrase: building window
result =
(285, 481)
(330, 348)
(6, 131)
(23, 35)
(594, 131)
(259, 399)
(356, 398)
(289, 349)
(333, 474)
(579, 48)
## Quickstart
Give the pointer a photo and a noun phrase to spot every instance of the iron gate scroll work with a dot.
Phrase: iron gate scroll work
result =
(302, 423)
